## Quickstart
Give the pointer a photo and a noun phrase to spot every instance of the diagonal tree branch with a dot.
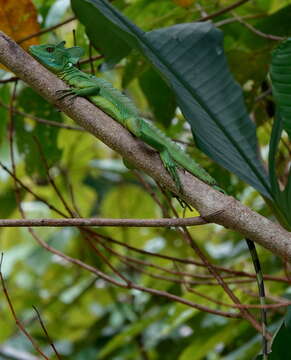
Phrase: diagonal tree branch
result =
(233, 214)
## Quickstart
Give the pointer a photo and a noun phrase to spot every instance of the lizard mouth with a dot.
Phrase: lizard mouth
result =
(31, 50)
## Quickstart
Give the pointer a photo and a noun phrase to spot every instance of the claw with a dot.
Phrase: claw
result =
(173, 172)
(183, 203)
(64, 93)
(171, 167)
(61, 91)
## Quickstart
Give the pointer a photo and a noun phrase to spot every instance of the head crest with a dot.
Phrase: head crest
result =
(61, 45)
(75, 53)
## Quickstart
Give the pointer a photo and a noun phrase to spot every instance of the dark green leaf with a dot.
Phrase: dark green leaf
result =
(287, 320)
(276, 24)
(4, 98)
(47, 135)
(281, 348)
(275, 138)
(160, 98)
(281, 82)
(104, 34)
(134, 66)
(8, 202)
(281, 85)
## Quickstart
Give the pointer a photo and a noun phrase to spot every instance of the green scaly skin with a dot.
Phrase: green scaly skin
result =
(61, 61)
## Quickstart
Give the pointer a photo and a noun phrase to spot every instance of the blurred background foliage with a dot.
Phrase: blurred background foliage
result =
(87, 317)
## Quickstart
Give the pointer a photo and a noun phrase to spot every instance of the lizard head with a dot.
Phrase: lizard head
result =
(56, 57)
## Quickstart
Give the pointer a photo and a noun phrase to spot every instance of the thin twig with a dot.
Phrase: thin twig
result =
(46, 333)
(189, 240)
(51, 180)
(43, 121)
(152, 193)
(173, 272)
(263, 95)
(234, 19)
(71, 190)
(164, 222)
(241, 306)
(25, 187)
(11, 79)
(223, 11)
(107, 262)
(191, 262)
(41, 32)
(111, 280)
(256, 31)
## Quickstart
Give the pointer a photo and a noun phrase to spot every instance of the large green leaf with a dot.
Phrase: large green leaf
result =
(191, 59)
(281, 81)
(281, 85)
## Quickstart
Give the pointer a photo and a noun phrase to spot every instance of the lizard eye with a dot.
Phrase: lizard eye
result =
(50, 49)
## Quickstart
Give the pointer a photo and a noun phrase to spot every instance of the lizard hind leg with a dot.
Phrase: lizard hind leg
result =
(171, 166)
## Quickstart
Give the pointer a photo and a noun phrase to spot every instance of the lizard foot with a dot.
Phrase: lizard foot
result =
(171, 167)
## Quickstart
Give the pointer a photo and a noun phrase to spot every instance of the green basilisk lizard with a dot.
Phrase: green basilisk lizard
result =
(61, 61)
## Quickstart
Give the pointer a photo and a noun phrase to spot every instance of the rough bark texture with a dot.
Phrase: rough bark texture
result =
(207, 201)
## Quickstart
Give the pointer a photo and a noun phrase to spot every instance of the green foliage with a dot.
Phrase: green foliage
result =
(8, 201)
(46, 136)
